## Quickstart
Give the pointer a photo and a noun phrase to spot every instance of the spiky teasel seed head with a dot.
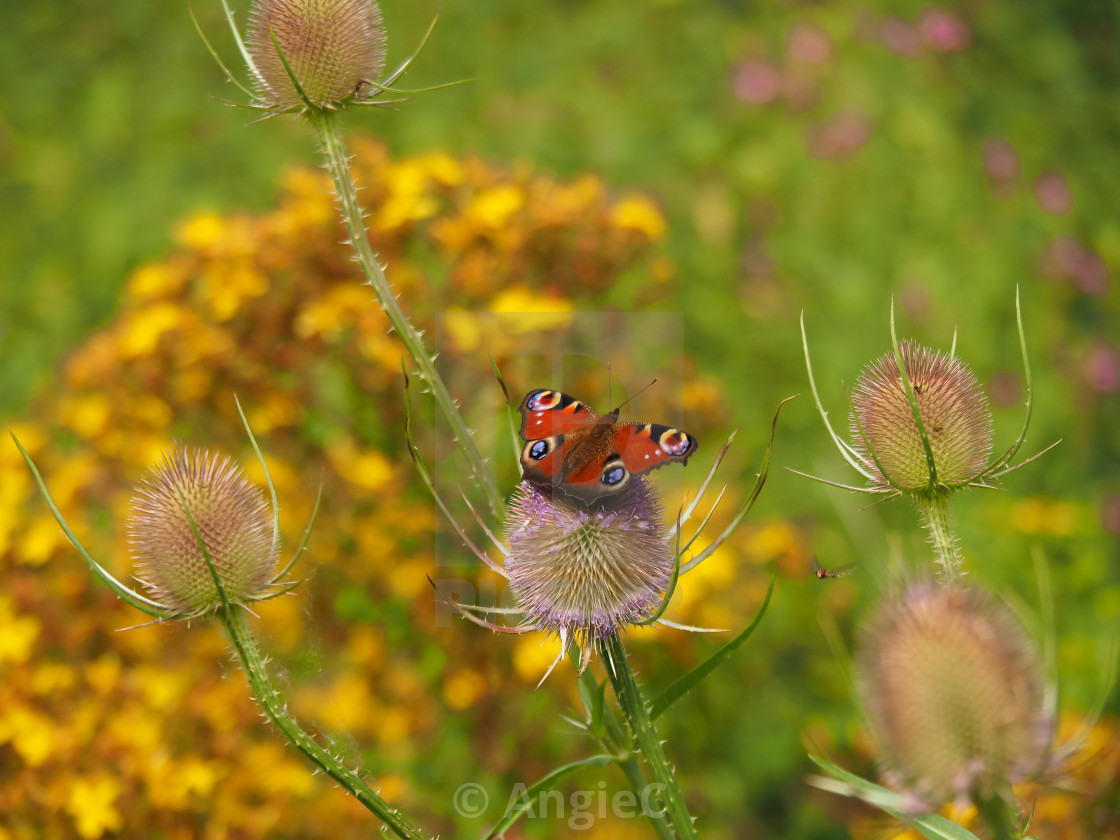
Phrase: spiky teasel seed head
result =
(334, 48)
(582, 572)
(954, 413)
(953, 693)
(233, 520)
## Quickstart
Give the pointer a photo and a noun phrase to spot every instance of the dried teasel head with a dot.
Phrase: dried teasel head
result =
(954, 414)
(953, 692)
(334, 48)
(233, 521)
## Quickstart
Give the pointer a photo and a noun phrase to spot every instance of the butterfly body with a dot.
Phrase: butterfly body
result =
(587, 456)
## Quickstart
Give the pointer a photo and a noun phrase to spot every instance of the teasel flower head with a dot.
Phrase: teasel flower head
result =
(920, 423)
(334, 49)
(314, 57)
(586, 572)
(949, 411)
(954, 694)
(194, 518)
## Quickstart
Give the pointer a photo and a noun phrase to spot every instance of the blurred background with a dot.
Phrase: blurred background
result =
(718, 167)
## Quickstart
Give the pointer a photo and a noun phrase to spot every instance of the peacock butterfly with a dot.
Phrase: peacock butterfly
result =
(571, 448)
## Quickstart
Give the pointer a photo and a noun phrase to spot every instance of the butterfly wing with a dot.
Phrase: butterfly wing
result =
(625, 449)
(647, 446)
(547, 419)
(545, 413)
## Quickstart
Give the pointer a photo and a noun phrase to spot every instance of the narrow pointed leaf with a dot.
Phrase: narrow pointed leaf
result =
(669, 590)
(135, 599)
(214, 54)
(932, 826)
(745, 507)
(307, 103)
(525, 802)
(849, 454)
(267, 478)
(245, 54)
(678, 689)
(910, 398)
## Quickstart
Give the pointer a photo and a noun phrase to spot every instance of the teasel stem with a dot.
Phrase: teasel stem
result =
(234, 619)
(936, 516)
(326, 126)
(612, 739)
(998, 815)
(645, 736)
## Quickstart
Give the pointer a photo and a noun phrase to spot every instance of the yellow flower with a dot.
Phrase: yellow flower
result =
(638, 213)
(1044, 516)
(346, 705)
(97, 362)
(190, 386)
(40, 540)
(407, 199)
(201, 231)
(463, 688)
(162, 688)
(103, 674)
(51, 677)
(307, 204)
(31, 733)
(368, 469)
(365, 648)
(87, 415)
(464, 329)
(532, 656)
(276, 410)
(142, 329)
(140, 732)
(227, 289)
(493, 208)
(393, 727)
(150, 411)
(335, 310)
(441, 167)
(536, 312)
(407, 577)
(156, 280)
(92, 803)
(277, 770)
(18, 633)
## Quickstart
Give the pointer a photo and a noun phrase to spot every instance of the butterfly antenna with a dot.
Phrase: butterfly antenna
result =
(631, 399)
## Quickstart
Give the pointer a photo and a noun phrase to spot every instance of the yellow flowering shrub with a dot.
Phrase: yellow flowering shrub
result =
(138, 732)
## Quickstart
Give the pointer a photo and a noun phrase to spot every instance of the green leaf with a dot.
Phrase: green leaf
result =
(932, 826)
(678, 689)
(135, 599)
(525, 801)
(598, 704)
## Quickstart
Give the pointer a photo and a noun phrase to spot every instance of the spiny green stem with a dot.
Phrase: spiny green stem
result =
(637, 715)
(326, 125)
(937, 518)
(275, 708)
(998, 815)
(614, 741)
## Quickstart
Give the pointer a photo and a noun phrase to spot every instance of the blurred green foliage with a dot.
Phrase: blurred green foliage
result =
(816, 157)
